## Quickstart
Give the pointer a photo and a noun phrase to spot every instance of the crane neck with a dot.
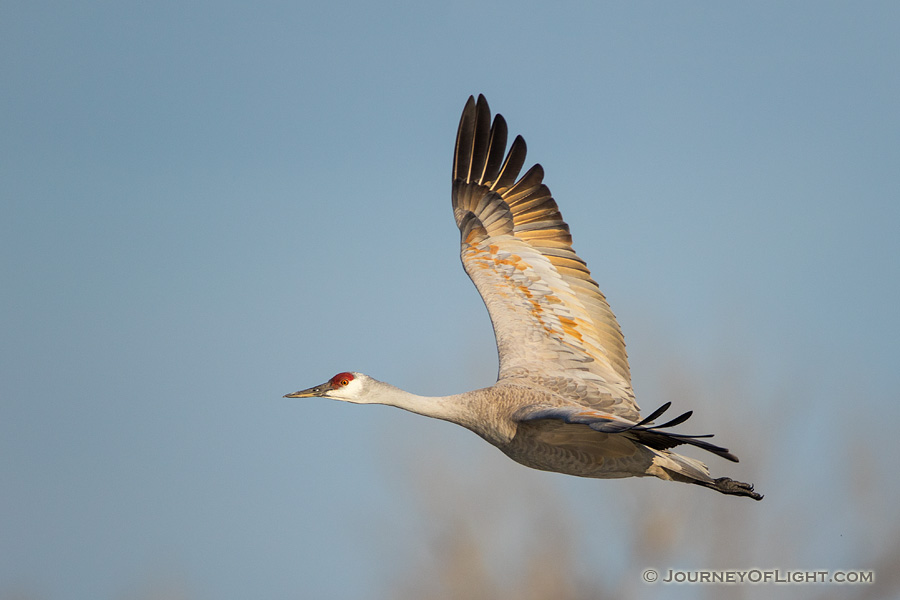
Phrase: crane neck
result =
(447, 408)
(475, 410)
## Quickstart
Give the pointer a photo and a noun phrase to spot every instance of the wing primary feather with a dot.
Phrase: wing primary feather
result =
(515, 158)
(676, 421)
(496, 152)
(655, 414)
(481, 140)
(645, 424)
(664, 441)
(523, 187)
(465, 136)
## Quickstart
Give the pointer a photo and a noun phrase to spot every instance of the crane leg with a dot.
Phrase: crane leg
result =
(726, 485)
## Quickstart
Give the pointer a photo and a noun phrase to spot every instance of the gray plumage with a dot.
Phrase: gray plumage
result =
(563, 401)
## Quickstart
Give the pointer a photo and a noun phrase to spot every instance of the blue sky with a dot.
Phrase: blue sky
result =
(208, 205)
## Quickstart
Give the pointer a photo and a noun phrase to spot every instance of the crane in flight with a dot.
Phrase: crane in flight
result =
(563, 400)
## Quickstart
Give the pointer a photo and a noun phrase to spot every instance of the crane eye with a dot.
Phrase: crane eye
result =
(341, 380)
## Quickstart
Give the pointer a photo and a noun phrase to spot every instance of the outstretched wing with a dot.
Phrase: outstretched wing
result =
(553, 326)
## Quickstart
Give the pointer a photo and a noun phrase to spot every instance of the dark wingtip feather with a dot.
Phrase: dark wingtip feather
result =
(676, 421)
(661, 440)
(655, 414)
(465, 136)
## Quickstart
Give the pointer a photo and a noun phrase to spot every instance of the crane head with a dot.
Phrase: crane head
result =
(343, 386)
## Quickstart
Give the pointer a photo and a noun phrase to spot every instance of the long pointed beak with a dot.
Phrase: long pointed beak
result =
(312, 392)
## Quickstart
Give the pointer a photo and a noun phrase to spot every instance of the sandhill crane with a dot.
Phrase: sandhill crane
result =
(563, 400)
